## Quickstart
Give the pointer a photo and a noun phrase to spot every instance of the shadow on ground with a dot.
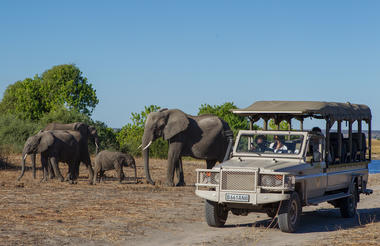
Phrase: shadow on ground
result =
(323, 220)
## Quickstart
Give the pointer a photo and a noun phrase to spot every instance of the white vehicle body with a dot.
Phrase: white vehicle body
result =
(304, 172)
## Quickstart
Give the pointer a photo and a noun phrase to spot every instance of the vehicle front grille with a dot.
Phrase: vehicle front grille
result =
(237, 180)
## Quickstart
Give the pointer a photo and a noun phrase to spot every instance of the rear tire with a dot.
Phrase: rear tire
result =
(290, 213)
(348, 204)
(216, 215)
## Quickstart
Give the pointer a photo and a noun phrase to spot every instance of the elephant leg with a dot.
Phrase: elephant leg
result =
(87, 162)
(96, 172)
(50, 170)
(54, 163)
(33, 157)
(179, 170)
(44, 163)
(101, 176)
(210, 163)
(173, 159)
(121, 175)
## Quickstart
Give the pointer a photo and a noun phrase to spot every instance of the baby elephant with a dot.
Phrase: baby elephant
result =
(108, 160)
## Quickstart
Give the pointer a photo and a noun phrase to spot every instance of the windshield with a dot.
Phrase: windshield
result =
(270, 143)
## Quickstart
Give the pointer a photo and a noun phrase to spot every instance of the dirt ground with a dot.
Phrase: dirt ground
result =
(109, 213)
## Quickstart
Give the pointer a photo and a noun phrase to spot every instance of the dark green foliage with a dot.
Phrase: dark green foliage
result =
(60, 86)
(107, 136)
(223, 111)
(283, 125)
(14, 131)
(130, 136)
(64, 116)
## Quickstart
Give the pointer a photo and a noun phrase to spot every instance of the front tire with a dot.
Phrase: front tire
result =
(216, 215)
(290, 213)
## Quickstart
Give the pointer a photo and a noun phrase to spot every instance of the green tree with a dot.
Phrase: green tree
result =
(65, 85)
(24, 98)
(130, 136)
(223, 111)
(60, 86)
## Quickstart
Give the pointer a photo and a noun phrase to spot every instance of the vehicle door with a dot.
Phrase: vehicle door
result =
(316, 178)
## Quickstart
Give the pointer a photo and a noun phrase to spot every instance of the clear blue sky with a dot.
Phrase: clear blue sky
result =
(180, 54)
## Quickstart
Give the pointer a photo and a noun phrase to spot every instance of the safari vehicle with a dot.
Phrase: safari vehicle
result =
(279, 172)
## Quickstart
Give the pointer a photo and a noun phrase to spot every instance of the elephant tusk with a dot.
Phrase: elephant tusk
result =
(148, 145)
(139, 146)
(24, 158)
(96, 145)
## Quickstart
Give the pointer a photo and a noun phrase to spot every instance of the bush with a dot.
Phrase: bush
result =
(223, 111)
(14, 131)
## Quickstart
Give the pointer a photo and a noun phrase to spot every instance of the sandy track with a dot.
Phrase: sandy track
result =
(110, 213)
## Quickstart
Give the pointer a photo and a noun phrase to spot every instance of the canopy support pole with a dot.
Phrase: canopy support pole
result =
(327, 147)
(369, 140)
(301, 124)
(340, 141)
(360, 140)
(265, 124)
(350, 140)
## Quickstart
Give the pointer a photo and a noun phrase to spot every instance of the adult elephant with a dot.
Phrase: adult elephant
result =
(88, 132)
(54, 146)
(203, 137)
(57, 147)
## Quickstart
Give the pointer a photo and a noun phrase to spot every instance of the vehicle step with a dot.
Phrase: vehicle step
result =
(368, 191)
(316, 201)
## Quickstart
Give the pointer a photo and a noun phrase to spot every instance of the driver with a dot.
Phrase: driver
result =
(260, 145)
(278, 146)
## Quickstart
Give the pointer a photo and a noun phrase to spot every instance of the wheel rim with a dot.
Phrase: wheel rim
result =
(293, 212)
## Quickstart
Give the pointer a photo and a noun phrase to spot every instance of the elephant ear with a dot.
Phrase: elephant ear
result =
(46, 140)
(177, 122)
(81, 127)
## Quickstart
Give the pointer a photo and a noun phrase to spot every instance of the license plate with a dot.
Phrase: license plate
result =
(237, 197)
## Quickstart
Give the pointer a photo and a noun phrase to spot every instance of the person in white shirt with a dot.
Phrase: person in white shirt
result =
(278, 146)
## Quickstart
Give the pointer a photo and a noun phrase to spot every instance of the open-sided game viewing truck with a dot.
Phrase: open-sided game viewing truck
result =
(279, 172)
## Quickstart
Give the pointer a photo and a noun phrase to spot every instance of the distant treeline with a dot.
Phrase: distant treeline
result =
(62, 94)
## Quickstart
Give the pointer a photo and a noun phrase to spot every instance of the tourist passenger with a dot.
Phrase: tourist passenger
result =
(278, 146)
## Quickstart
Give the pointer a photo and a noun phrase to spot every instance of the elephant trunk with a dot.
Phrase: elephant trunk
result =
(96, 145)
(146, 166)
(24, 155)
(146, 142)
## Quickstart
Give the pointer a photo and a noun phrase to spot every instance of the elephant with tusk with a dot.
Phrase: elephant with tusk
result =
(201, 137)
(86, 131)
(54, 146)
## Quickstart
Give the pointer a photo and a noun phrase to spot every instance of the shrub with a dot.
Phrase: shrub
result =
(14, 131)
(223, 111)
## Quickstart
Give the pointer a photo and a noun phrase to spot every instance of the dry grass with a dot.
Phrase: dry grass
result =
(34, 213)
(366, 233)
(376, 149)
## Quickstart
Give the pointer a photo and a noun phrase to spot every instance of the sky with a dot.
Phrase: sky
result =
(181, 54)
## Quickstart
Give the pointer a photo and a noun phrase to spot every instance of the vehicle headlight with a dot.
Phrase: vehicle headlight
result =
(209, 177)
(268, 180)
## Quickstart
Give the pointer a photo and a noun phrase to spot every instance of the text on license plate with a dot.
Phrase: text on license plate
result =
(237, 197)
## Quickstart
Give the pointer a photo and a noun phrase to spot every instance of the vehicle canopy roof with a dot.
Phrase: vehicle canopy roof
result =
(301, 109)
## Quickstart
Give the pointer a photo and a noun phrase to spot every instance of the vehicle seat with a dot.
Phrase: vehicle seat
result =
(361, 152)
(334, 146)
